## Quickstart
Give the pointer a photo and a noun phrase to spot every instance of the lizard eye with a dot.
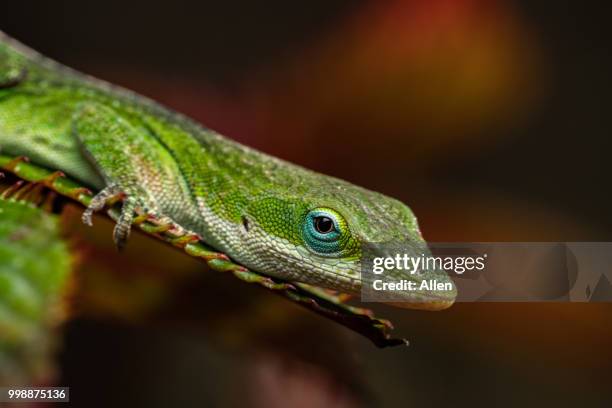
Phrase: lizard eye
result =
(323, 224)
(324, 231)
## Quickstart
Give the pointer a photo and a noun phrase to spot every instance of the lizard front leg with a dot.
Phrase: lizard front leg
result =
(131, 161)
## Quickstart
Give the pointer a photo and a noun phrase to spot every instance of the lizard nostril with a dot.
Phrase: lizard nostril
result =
(245, 223)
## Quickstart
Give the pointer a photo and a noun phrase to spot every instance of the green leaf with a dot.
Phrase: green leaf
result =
(34, 267)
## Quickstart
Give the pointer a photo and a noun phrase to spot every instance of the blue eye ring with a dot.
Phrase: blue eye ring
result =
(321, 236)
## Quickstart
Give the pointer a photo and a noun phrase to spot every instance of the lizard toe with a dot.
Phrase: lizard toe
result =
(100, 200)
(123, 227)
(109, 196)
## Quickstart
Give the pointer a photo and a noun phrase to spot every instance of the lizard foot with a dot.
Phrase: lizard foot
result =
(110, 195)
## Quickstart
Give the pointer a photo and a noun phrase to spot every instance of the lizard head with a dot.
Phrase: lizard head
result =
(322, 229)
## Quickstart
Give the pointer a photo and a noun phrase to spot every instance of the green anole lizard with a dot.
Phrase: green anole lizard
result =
(270, 215)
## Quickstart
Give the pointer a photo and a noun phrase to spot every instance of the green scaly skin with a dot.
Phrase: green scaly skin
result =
(262, 211)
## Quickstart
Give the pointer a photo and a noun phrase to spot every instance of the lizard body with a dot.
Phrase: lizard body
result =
(270, 215)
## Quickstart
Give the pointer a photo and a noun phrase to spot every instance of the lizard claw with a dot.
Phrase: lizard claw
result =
(109, 195)
(124, 223)
(99, 201)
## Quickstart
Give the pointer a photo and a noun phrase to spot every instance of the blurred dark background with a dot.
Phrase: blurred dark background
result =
(491, 119)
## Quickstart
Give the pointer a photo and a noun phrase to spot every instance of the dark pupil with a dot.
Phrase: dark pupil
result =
(324, 225)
